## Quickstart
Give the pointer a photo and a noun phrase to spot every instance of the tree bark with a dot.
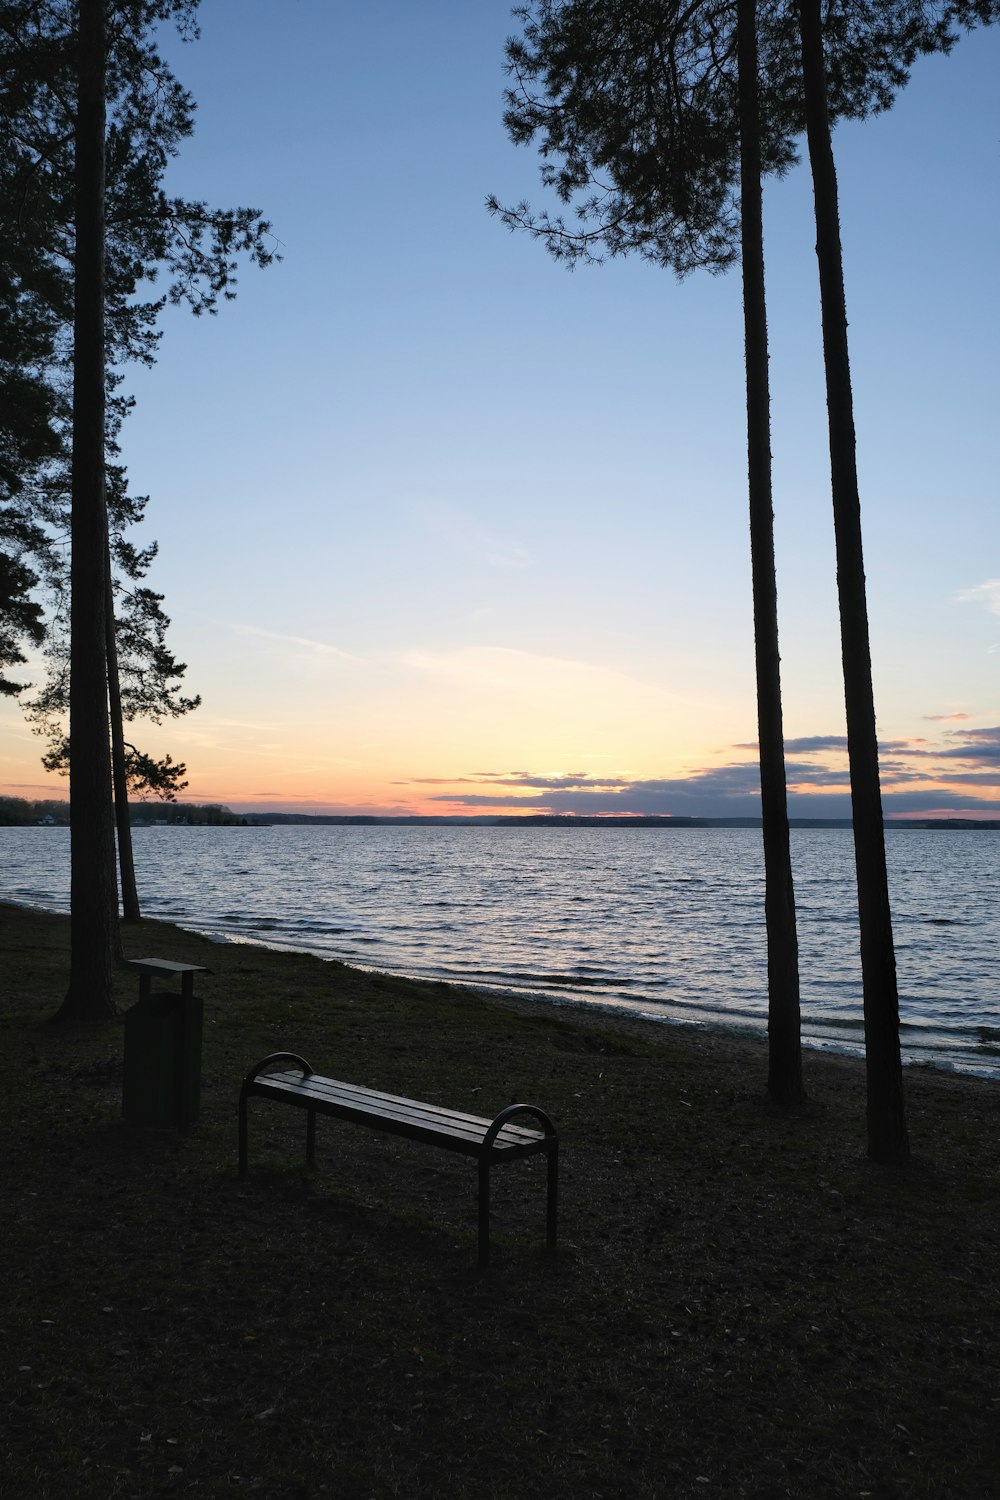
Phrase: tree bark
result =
(123, 823)
(887, 1135)
(784, 1079)
(93, 887)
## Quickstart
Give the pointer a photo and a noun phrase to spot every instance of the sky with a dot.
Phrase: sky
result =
(445, 528)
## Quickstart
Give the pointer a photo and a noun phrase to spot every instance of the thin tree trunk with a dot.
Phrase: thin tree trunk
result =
(123, 823)
(784, 1080)
(93, 887)
(887, 1135)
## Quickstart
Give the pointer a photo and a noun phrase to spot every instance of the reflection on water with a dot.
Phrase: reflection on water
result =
(664, 923)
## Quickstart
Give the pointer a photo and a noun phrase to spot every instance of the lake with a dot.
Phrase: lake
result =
(662, 923)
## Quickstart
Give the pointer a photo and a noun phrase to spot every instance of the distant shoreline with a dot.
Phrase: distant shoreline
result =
(52, 813)
(568, 820)
(186, 815)
(561, 820)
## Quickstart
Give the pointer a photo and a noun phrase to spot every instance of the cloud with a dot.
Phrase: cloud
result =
(523, 673)
(301, 643)
(737, 786)
(553, 782)
(975, 745)
(464, 532)
(814, 743)
(987, 594)
(917, 777)
(562, 698)
(817, 744)
(945, 718)
(936, 802)
(803, 773)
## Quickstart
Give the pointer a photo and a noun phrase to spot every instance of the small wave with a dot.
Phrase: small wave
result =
(320, 929)
(836, 1023)
(554, 927)
(569, 979)
(530, 980)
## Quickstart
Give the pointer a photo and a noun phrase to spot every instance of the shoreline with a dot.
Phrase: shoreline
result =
(753, 1031)
(734, 1047)
(677, 937)
(626, 1012)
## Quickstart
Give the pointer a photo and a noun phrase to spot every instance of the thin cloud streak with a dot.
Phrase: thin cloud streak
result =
(986, 594)
(462, 531)
(301, 642)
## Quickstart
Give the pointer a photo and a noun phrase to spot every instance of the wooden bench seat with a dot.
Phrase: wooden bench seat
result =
(491, 1142)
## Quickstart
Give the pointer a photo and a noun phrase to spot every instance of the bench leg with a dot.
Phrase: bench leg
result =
(310, 1137)
(484, 1214)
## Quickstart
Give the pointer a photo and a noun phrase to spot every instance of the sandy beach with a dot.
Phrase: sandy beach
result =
(741, 1304)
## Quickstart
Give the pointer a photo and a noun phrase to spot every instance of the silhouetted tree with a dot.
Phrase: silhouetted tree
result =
(50, 184)
(94, 940)
(32, 410)
(784, 1079)
(873, 47)
(144, 682)
(635, 95)
(20, 617)
(887, 1133)
(612, 70)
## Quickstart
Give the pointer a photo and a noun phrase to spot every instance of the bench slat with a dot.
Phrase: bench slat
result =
(338, 1091)
(336, 1088)
(451, 1129)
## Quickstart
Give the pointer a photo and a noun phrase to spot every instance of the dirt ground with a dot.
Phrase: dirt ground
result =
(741, 1304)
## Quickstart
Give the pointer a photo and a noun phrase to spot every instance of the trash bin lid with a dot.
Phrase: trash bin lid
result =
(162, 968)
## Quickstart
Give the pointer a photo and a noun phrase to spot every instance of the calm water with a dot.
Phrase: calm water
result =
(667, 924)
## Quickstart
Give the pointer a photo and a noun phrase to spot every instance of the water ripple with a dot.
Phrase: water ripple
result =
(667, 923)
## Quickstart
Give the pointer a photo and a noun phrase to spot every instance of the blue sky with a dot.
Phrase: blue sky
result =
(444, 526)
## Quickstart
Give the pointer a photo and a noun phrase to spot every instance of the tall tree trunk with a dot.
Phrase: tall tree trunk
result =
(784, 1079)
(93, 887)
(123, 823)
(887, 1135)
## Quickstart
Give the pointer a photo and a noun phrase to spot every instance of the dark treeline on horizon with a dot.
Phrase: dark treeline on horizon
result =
(575, 820)
(23, 812)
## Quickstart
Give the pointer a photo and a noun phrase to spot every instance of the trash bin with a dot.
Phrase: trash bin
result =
(162, 1077)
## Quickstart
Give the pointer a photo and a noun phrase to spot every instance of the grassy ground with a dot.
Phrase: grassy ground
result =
(741, 1305)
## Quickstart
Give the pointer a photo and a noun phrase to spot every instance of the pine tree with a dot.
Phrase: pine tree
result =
(94, 941)
(637, 95)
(784, 1031)
(634, 107)
(86, 225)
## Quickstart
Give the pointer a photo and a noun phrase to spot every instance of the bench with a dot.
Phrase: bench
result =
(491, 1142)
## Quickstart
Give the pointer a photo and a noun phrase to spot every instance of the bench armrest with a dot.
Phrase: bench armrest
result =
(269, 1062)
(506, 1115)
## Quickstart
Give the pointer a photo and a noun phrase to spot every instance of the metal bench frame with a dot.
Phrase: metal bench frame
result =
(491, 1142)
